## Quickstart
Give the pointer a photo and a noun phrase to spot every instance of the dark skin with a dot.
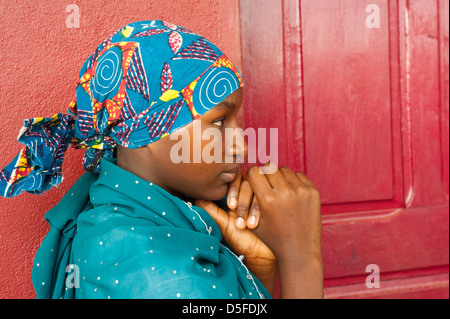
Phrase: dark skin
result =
(189, 180)
(275, 221)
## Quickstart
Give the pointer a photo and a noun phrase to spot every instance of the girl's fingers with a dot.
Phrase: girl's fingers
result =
(258, 181)
(233, 191)
(240, 198)
(304, 179)
(273, 174)
(243, 206)
(289, 175)
(254, 215)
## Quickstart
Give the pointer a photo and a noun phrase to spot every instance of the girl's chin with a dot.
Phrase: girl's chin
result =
(216, 193)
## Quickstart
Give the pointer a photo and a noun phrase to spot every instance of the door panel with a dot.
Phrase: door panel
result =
(347, 101)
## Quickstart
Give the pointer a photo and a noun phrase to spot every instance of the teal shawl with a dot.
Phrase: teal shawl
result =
(115, 235)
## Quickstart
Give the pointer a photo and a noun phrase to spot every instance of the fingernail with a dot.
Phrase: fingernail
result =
(240, 222)
(252, 220)
(233, 202)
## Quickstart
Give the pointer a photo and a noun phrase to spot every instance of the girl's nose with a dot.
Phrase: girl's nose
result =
(236, 142)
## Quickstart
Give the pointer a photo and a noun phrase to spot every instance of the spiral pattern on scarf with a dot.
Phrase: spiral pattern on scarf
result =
(107, 74)
(214, 87)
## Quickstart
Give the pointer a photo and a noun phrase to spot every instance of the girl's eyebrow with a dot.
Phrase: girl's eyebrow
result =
(225, 105)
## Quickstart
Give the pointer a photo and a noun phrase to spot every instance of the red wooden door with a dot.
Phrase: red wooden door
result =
(358, 90)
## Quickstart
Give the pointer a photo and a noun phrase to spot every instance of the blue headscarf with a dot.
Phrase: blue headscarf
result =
(143, 82)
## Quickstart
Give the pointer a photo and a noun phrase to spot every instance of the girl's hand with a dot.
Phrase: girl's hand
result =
(257, 256)
(291, 226)
(240, 198)
(290, 221)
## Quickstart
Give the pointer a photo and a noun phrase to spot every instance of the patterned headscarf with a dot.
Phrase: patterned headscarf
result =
(143, 82)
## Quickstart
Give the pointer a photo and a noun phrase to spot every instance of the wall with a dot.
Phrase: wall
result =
(41, 58)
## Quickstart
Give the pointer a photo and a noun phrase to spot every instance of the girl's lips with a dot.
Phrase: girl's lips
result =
(228, 177)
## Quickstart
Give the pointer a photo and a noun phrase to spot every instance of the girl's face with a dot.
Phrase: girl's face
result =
(203, 180)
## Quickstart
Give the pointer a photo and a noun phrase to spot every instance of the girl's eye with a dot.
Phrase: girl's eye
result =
(219, 122)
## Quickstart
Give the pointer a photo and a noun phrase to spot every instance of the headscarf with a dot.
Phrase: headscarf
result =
(142, 83)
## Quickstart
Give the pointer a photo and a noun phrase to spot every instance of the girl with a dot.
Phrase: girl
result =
(138, 224)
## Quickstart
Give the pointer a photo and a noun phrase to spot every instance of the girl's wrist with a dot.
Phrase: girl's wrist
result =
(299, 259)
(301, 279)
